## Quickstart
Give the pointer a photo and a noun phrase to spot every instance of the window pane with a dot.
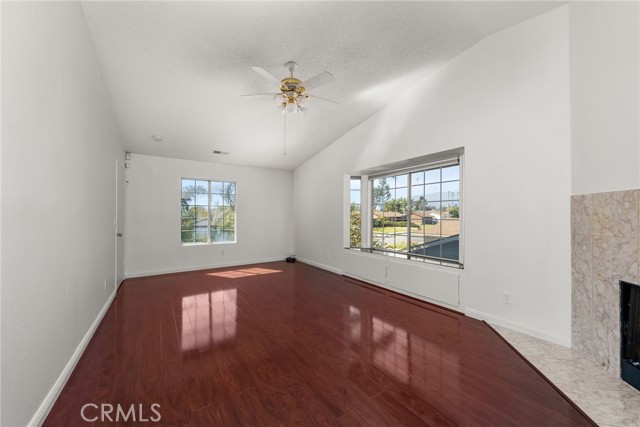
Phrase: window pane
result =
(188, 236)
(188, 189)
(451, 173)
(230, 188)
(381, 192)
(201, 212)
(451, 190)
(450, 227)
(354, 184)
(229, 221)
(188, 185)
(188, 224)
(355, 197)
(217, 187)
(229, 235)
(434, 207)
(430, 249)
(216, 200)
(201, 235)
(417, 178)
(450, 209)
(432, 192)
(401, 193)
(432, 175)
(187, 209)
(202, 187)
(401, 181)
(202, 199)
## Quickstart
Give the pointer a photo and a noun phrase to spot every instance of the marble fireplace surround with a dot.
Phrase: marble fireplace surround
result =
(605, 235)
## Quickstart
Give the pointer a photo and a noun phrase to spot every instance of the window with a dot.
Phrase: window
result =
(208, 212)
(416, 213)
(355, 223)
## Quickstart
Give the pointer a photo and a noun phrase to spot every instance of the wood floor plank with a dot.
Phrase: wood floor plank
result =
(281, 344)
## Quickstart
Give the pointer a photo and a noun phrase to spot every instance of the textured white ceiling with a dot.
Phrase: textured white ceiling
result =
(177, 69)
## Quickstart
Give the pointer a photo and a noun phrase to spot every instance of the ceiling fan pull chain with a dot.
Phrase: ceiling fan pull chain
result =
(285, 133)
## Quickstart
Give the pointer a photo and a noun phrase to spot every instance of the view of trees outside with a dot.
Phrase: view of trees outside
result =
(208, 211)
(355, 224)
(418, 212)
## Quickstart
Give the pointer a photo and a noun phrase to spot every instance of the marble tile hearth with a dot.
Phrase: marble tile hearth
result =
(604, 250)
(608, 400)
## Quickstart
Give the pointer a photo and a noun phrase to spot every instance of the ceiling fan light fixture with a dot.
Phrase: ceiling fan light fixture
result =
(291, 107)
(292, 95)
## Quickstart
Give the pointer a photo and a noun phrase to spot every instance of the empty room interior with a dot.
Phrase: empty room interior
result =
(346, 213)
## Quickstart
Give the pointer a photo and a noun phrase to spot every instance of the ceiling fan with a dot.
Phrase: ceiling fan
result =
(293, 94)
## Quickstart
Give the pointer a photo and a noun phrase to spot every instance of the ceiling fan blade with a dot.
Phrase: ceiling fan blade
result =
(317, 81)
(264, 73)
(324, 99)
(262, 94)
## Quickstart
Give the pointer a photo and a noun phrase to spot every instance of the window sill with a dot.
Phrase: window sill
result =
(207, 244)
(411, 258)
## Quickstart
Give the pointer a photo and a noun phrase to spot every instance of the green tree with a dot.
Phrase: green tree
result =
(396, 205)
(420, 204)
(229, 194)
(454, 212)
(355, 227)
(381, 192)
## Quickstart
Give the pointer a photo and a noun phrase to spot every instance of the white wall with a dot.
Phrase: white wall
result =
(59, 150)
(264, 216)
(605, 96)
(506, 100)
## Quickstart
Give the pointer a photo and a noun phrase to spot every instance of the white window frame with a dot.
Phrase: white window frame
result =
(443, 159)
(235, 219)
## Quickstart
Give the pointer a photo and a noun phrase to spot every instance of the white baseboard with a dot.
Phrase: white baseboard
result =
(46, 405)
(505, 323)
(320, 265)
(131, 275)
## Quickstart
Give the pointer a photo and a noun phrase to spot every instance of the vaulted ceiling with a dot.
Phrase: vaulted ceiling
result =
(177, 69)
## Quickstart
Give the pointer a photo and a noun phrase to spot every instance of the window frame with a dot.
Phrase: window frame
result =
(408, 167)
(210, 183)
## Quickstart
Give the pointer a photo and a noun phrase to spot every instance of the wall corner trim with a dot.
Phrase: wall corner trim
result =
(51, 397)
(505, 323)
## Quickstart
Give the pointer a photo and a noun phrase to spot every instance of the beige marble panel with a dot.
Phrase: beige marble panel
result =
(606, 297)
(615, 214)
(581, 254)
(582, 334)
(614, 351)
(615, 259)
(581, 295)
(581, 214)
(600, 345)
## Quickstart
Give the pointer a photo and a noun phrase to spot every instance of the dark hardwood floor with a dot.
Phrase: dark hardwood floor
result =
(291, 345)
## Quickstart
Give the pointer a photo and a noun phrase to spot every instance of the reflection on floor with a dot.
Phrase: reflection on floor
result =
(282, 344)
(609, 401)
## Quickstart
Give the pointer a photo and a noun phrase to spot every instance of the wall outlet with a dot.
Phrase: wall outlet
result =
(506, 298)
(105, 284)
